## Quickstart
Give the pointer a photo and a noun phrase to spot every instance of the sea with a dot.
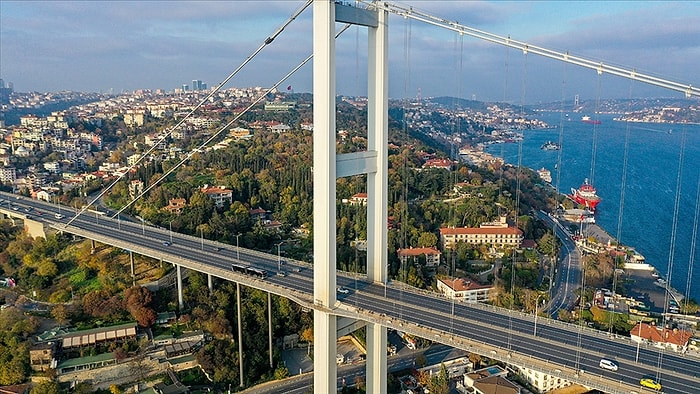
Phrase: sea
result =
(647, 174)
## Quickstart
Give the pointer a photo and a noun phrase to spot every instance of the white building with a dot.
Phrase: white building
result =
(8, 175)
(432, 255)
(219, 194)
(464, 289)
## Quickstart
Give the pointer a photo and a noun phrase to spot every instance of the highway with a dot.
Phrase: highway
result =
(568, 277)
(568, 351)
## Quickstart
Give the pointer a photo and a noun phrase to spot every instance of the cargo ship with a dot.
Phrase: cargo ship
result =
(585, 195)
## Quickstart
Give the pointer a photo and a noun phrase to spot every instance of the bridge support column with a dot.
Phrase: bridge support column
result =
(376, 358)
(240, 332)
(210, 283)
(180, 300)
(92, 246)
(133, 273)
(325, 351)
(324, 175)
(269, 323)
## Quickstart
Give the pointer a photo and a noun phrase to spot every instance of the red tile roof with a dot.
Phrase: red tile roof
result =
(417, 251)
(461, 284)
(480, 230)
(661, 335)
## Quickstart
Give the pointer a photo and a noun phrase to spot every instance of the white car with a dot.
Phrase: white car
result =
(342, 290)
(608, 364)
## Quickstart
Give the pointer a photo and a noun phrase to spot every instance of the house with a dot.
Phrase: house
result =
(176, 205)
(41, 356)
(259, 215)
(432, 255)
(464, 289)
(671, 338)
(489, 380)
(135, 188)
(166, 319)
(219, 194)
(359, 199)
(444, 164)
(15, 389)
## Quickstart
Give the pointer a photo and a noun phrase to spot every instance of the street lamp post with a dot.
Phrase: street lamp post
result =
(279, 257)
(537, 302)
(238, 249)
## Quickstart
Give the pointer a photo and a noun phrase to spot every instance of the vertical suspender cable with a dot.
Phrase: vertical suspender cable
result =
(620, 212)
(691, 259)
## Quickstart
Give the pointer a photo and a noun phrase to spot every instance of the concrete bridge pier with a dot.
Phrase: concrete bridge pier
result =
(93, 246)
(210, 283)
(269, 323)
(133, 270)
(180, 300)
(240, 332)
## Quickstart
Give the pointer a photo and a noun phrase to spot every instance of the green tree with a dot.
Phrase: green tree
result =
(427, 240)
(46, 387)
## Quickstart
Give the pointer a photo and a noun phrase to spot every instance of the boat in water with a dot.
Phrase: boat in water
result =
(587, 119)
(545, 175)
(585, 195)
(549, 145)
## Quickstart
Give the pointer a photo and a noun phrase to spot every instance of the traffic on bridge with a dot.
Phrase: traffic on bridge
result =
(558, 349)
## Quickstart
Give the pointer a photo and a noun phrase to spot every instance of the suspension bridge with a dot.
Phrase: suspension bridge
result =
(556, 349)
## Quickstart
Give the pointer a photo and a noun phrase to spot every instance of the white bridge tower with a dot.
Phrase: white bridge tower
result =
(328, 166)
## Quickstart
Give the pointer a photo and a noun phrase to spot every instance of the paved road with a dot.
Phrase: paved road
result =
(568, 271)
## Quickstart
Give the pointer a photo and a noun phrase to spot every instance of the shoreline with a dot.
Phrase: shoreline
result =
(642, 280)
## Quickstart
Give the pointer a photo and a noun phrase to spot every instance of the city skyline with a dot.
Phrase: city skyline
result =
(125, 46)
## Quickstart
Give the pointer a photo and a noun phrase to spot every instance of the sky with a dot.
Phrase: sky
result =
(116, 46)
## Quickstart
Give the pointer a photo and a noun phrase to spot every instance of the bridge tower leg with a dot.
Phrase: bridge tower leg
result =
(377, 190)
(373, 162)
(180, 300)
(325, 369)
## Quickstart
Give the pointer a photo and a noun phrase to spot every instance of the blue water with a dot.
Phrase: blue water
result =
(654, 153)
